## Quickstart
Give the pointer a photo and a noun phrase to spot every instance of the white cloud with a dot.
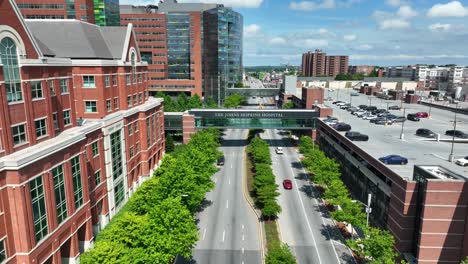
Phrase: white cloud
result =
(310, 6)
(393, 2)
(251, 30)
(364, 47)
(322, 31)
(406, 12)
(451, 9)
(278, 41)
(394, 24)
(351, 37)
(438, 27)
(233, 3)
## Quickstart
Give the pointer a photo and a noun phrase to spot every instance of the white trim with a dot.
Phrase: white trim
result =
(127, 41)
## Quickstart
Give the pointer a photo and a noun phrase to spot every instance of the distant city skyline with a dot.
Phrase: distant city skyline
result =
(386, 32)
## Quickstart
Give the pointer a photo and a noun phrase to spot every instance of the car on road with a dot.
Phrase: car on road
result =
(456, 133)
(287, 184)
(342, 127)
(220, 161)
(394, 107)
(356, 136)
(462, 162)
(394, 159)
(424, 132)
(422, 114)
(413, 117)
(279, 150)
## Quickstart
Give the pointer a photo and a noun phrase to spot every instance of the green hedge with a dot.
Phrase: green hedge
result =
(377, 245)
(157, 223)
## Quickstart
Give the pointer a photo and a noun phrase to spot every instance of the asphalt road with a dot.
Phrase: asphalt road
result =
(303, 224)
(229, 230)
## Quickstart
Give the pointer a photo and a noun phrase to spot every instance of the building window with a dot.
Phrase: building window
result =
(135, 99)
(146, 94)
(55, 120)
(130, 128)
(60, 197)
(116, 103)
(11, 73)
(116, 155)
(90, 106)
(129, 101)
(107, 80)
(77, 185)
(140, 77)
(41, 128)
(97, 177)
(108, 105)
(3, 255)
(51, 87)
(119, 194)
(136, 126)
(64, 86)
(114, 80)
(38, 208)
(140, 98)
(19, 134)
(66, 118)
(137, 147)
(127, 79)
(95, 149)
(36, 90)
(133, 61)
(148, 133)
(83, 7)
(131, 152)
(88, 82)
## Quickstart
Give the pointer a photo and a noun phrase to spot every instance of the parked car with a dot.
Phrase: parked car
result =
(346, 106)
(287, 184)
(352, 109)
(341, 103)
(394, 107)
(220, 161)
(362, 107)
(279, 150)
(369, 117)
(424, 132)
(394, 159)
(462, 162)
(413, 117)
(361, 114)
(398, 119)
(383, 113)
(336, 102)
(342, 127)
(356, 136)
(383, 121)
(371, 108)
(422, 114)
(456, 133)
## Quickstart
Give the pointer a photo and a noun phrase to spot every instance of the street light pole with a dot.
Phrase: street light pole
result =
(451, 158)
(368, 207)
(402, 135)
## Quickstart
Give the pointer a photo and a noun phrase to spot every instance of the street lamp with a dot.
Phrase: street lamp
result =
(367, 206)
(451, 158)
(402, 135)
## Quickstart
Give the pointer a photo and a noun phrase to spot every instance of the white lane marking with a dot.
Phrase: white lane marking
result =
(307, 218)
(242, 250)
(224, 234)
(243, 238)
(229, 180)
(204, 234)
(227, 204)
(323, 221)
(242, 226)
(215, 180)
(231, 166)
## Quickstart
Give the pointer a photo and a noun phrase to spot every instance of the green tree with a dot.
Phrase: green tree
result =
(280, 255)
(211, 103)
(377, 246)
(182, 102)
(234, 100)
(464, 261)
(169, 143)
(194, 102)
(271, 209)
(288, 105)
(110, 252)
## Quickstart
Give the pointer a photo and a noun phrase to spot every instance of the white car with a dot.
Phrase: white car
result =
(279, 150)
(369, 117)
(361, 114)
(462, 162)
(341, 103)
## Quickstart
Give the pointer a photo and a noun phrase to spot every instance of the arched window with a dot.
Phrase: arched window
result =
(133, 61)
(9, 59)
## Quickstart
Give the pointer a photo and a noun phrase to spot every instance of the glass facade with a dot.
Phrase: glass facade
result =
(106, 12)
(11, 74)
(222, 43)
(253, 123)
(77, 184)
(116, 155)
(71, 13)
(60, 197)
(38, 207)
(178, 46)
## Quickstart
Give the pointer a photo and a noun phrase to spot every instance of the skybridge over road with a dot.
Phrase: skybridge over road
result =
(249, 92)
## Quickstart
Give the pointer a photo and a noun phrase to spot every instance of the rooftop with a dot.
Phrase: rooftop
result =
(385, 140)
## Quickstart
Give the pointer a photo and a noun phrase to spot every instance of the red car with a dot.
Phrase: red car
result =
(287, 184)
(422, 114)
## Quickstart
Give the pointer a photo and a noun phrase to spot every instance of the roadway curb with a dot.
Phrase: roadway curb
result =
(252, 206)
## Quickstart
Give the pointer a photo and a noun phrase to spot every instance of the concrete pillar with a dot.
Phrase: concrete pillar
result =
(71, 255)
(188, 127)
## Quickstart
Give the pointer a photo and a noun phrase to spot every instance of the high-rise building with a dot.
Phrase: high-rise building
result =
(78, 133)
(99, 12)
(191, 47)
(317, 63)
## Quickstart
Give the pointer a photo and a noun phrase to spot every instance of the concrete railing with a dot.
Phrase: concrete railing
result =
(446, 107)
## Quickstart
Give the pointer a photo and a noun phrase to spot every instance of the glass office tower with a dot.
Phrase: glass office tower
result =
(106, 12)
(178, 46)
(222, 51)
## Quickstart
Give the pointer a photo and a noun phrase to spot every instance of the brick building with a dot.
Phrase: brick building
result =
(99, 12)
(317, 63)
(190, 47)
(364, 69)
(78, 133)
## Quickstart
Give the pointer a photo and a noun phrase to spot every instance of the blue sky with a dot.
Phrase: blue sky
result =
(377, 32)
